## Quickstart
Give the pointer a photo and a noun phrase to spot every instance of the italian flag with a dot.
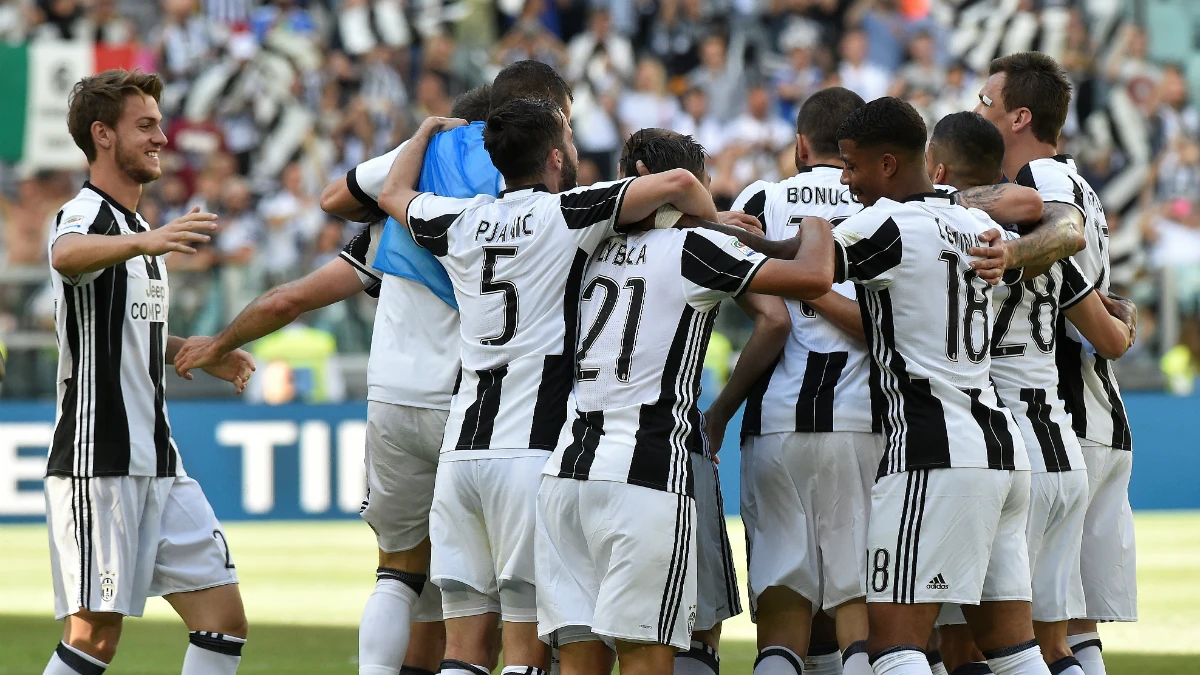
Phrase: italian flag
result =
(37, 78)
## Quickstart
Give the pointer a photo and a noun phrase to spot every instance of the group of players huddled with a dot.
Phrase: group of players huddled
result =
(935, 456)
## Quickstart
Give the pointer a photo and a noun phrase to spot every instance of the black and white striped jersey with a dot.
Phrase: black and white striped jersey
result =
(1085, 381)
(648, 306)
(360, 253)
(820, 382)
(928, 318)
(516, 263)
(1024, 369)
(111, 419)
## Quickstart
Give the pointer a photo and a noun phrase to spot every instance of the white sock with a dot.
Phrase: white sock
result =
(454, 667)
(973, 668)
(699, 660)
(1088, 650)
(68, 660)
(855, 660)
(824, 659)
(384, 627)
(1067, 665)
(901, 660)
(1022, 659)
(778, 661)
(522, 670)
(212, 654)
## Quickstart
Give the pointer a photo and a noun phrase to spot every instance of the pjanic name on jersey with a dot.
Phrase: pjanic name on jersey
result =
(820, 195)
(516, 229)
(619, 252)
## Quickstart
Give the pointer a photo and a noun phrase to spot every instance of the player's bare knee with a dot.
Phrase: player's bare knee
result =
(414, 560)
(95, 633)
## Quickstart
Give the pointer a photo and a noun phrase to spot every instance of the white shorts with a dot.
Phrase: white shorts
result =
(811, 500)
(717, 596)
(117, 540)
(1108, 560)
(403, 443)
(616, 559)
(949, 536)
(481, 527)
(749, 509)
(1057, 504)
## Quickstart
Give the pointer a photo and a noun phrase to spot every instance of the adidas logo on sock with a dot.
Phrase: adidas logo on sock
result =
(938, 583)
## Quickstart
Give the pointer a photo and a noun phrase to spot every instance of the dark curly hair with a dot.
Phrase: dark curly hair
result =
(519, 135)
(886, 122)
(662, 150)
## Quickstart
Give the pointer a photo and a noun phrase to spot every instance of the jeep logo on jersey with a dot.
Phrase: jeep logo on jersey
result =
(148, 300)
(108, 586)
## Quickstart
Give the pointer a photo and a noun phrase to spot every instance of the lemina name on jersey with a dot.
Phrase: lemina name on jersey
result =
(516, 263)
(819, 382)
(649, 303)
(1086, 381)
(928, 319)
(112, 334)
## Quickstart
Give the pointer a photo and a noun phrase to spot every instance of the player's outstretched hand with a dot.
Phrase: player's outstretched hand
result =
(179, 235)
(197, 352)
(743, 220)
(1124, 310)
(991, 263)
(235, 367)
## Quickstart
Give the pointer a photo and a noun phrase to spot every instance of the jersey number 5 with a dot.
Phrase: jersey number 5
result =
(489, 284)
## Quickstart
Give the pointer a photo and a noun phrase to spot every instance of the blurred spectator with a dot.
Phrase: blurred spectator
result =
(1176, 117)
(857, 74)
(800, 75)
(721, 75)
(25, 223)
(1128, 67)
(676, 33)
(886, 30)
(922, 71)
(756, 138)
(433, 96)
(529, 39)
(599, 47)
(61, 19)
(185, 40)
(695, 121)
(444, 55)
(241, 227)
(292, 219)
(649, 104)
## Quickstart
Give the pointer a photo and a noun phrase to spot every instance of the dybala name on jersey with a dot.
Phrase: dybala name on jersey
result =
(618, 251)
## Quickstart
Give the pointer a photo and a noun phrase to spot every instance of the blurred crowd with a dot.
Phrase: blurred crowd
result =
(268, 100)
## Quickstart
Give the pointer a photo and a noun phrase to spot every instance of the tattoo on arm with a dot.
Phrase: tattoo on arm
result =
(982, 197)
(1058, 236)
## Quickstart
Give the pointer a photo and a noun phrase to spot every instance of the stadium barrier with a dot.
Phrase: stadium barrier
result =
(298, 462)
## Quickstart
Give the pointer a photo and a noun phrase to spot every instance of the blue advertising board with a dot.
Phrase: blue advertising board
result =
(298, 462)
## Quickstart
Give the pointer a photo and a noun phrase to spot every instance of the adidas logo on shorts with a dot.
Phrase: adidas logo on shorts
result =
(938, 583)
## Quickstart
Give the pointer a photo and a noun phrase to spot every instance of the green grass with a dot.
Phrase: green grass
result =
(304, 585)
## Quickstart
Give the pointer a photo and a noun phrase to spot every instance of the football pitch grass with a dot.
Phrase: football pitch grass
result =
(304, 584)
